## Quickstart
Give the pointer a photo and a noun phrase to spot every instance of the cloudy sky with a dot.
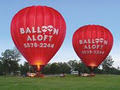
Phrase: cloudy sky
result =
(76, 13)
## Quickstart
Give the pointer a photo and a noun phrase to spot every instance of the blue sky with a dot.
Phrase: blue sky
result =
(76, 14)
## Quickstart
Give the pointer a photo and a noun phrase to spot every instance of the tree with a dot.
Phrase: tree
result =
(54, 68)
(25, 68)
(72, 64)
(78, 65)
(46, 69)
(14, 66)
(1, 69)
(84, 68)
(64, 68)
(9, 59)
(6, 65)
(12, 54)
(107, 64)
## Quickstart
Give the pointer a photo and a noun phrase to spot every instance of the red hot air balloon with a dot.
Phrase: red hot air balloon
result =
(92, 43)
(38, 32)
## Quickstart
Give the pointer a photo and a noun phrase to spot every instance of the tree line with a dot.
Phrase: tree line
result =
(9, 65)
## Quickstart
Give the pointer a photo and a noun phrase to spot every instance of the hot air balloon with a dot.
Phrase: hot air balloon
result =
(38, 33)
(92, 43)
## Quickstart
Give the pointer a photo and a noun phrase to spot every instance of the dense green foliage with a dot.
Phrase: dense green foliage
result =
(9, 65)
(9, 61)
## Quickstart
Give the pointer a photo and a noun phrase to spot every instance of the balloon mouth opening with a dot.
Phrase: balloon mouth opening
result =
(38, 68)
(91, 68)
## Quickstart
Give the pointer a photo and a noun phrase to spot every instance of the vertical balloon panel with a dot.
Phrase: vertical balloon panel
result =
(38, 32)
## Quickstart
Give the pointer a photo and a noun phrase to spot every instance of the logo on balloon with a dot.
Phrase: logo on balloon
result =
(44, 33)
(93, 46)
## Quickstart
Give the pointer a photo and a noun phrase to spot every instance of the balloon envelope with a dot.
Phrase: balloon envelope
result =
(38, 32)
(92, 43)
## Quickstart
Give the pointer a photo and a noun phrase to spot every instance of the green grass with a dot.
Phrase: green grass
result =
(99, 82)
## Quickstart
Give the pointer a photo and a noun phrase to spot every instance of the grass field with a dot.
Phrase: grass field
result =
(99, 82)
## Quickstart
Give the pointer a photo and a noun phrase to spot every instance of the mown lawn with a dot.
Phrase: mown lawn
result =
(99, 82)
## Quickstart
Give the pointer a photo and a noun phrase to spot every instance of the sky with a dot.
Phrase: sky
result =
(76, 13)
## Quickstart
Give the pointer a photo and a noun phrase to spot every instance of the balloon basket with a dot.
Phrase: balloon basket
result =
(38, 74)
(91, 69)
(92, 74)
(37, 71)
(87, 75)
